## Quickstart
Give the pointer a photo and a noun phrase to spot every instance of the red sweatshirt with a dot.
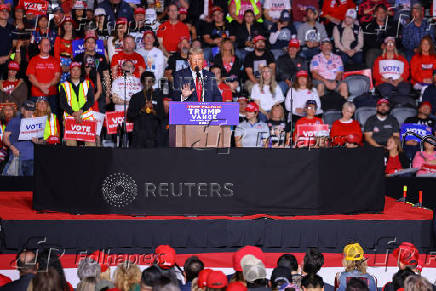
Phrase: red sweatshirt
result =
(337, 8)
(383, 67)
(340, 130)
(422, 67)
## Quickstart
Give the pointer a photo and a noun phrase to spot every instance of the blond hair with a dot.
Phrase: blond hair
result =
(359, 265)
(106, 275)
(126, 275)
(273, 83)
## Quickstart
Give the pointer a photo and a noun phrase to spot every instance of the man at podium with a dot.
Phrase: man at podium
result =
(195, 84)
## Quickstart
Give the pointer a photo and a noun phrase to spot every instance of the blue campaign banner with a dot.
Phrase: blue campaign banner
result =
(420, 129)
(78, 47)
(204, 113)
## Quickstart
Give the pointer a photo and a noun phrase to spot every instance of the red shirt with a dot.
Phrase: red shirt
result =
(35, 7)
(64, 47)
(422, 67)
(120, 58)
(171, 34)
(44, 69)
(226, 92)
(9, 86)
(340, 130)
(378, 70)
(337, 8)
(305, 120)
(393, 164)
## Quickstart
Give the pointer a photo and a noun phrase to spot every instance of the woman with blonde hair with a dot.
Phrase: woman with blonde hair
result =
(51, 131)
(355, 266)
(127, 277)
(266, 93)
(395, 158)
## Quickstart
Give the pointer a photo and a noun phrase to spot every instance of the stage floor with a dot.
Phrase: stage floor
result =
(18, 206)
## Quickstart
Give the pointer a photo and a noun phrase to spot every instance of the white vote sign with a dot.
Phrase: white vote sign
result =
(32, 127)
(391, 69)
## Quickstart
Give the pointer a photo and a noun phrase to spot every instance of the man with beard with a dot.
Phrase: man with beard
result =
(137, 27)
(310, 34)
(179, 60)
(255, 60)
(146, 112)
(381, 126)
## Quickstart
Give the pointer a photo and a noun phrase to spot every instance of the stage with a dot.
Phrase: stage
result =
(214, 238)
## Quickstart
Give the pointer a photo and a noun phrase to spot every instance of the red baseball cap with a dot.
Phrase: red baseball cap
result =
(236, 286)
(139, 10)
(294, 43)
(4, 280)
(252, 250)
(382, 101)
(216, 280)
(258, 38)
(166, 256)
(121, 20)
(75, 64)
(20, 6)
(302, 74)
(407, 254)
(148, 32)
(425, 103)
(251, 107)
(13, 65)
(5, 7)
(67, 18)
(90, 34)
(183, 11)
(215, 9)
(202, 277)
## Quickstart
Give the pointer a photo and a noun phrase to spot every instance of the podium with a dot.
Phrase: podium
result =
(202, 124)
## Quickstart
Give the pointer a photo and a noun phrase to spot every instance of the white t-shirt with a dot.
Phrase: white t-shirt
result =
(154, 62)
(299, 99)
(133, 86)
(275, 7)
(266, 99)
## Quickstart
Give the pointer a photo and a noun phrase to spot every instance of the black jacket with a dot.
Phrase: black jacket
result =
(287, 67)
(374, 36)
(146, 130)
(235, 70)
(211, 91)
(242, 35)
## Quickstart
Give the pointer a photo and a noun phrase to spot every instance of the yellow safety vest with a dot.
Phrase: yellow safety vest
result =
(77, 103)
(238, 7)
(51, 127)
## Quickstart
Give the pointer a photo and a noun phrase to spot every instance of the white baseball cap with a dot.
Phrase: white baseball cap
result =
(351, 13)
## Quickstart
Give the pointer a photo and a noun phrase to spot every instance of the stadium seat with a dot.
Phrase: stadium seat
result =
(331, 116)
(402, 113)
(363, 113)
(357, 85)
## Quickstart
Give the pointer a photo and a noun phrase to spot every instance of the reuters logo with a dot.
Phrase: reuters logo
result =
(119, 190)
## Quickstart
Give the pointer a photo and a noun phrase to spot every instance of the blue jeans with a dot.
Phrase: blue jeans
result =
(284, 86)
(357, 58)
(26, 167)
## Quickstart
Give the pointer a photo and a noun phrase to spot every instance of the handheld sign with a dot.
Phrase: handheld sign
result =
(308, 133)
(420, 129)
(78, 47)
(99, 117)
(84, 131)
(204, 113)
(113, 119)
(32, 127)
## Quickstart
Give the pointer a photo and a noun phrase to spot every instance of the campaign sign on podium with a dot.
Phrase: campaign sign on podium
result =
(202, 124)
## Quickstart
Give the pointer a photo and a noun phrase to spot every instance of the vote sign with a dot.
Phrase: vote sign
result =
(391, 68)
(113, 119)
(84, 131)
(307, 134)
(419, 129)
(32, 127)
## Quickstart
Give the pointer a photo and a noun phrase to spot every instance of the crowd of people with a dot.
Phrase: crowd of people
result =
(42, 271)
(283, 61)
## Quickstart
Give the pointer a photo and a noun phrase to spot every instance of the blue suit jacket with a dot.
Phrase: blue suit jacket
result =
(211, 91)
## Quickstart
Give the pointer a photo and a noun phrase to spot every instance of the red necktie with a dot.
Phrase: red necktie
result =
(199, 89)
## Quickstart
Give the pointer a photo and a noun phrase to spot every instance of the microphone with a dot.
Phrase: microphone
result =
(197, 71)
